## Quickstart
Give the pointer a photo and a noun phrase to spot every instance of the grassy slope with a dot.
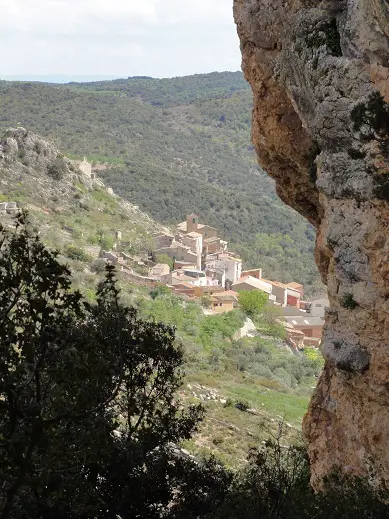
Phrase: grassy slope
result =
(175, 146)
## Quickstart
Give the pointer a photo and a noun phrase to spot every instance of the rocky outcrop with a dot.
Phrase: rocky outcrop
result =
(319, 129)
(31, 150)
(32, 169)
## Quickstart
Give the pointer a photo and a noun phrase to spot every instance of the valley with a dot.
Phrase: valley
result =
(249, 385)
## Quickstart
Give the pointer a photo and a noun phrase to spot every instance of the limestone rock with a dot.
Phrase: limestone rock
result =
(310, 62)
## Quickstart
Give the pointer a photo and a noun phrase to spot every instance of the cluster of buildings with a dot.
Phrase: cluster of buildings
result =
(204, 267)
(198, 264)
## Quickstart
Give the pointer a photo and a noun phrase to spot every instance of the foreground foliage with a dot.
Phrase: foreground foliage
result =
(275, 484)
(89, 421)
(88, 411)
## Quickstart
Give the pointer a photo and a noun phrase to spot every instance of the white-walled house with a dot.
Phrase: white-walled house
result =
(318, 306)
(251, 283)
(231, 265)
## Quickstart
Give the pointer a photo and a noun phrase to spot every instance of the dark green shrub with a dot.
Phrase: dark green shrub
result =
(63, 364)
(75, 253)
(159, 291)
(349, 302)
(372, 120)
(328, 35)
(99, 265)
(57, 169)
(276, 484)
(242, 405)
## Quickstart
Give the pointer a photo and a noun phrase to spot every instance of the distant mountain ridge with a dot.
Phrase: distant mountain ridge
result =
(174, 146)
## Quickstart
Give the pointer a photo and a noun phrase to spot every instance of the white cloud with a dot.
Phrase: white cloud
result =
(119, 37)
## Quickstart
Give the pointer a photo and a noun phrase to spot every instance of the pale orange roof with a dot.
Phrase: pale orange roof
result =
(293, 284)
(183, 285)
(231, 293)
(275, 283)
(222, 296)
(227, 294)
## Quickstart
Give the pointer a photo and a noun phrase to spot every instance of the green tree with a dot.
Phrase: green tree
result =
(58, 169)
(88, 410)
(75, 253)
(252, 302)
(275, 485)
(160, 291)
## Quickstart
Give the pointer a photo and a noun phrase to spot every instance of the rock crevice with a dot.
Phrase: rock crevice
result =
(310, 64)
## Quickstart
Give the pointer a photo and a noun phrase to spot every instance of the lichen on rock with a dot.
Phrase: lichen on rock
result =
(312, 65)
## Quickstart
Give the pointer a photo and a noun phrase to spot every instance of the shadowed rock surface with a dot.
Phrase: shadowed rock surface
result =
(310, 63)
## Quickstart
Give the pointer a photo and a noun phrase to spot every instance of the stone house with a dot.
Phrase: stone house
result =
(293, 297)
(208, 290)
(184, 289)
(177, 277)
(160, 269)
(312, 327)
(296, 286)
(194, 241)
(192, 277)
(251, 283)
(162, 240)
(177, 251)
(224, 302)
(280, 291)
(255, 273)
(179, 265)
(316, 308)
(210, 240)
(198, 276)
(216, 274)
(231, 265)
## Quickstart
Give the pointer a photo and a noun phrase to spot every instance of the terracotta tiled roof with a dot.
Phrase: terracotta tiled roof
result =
(231, 293)
(223, 296)
(275, 283)
(293, 284)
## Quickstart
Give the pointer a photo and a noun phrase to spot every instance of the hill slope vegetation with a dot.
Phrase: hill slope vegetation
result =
(174, 146)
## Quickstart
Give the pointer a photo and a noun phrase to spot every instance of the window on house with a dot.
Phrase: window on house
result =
(319, 306)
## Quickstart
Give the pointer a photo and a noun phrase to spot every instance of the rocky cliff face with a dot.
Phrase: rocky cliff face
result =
(319, 71)
(33, 167)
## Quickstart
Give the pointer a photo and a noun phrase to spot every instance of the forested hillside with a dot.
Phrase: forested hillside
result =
(174, 146)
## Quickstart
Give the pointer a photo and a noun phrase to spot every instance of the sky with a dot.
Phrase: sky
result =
(116, 38)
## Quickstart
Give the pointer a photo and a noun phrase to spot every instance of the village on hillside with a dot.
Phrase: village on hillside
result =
(195, 262)
(198, 265)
